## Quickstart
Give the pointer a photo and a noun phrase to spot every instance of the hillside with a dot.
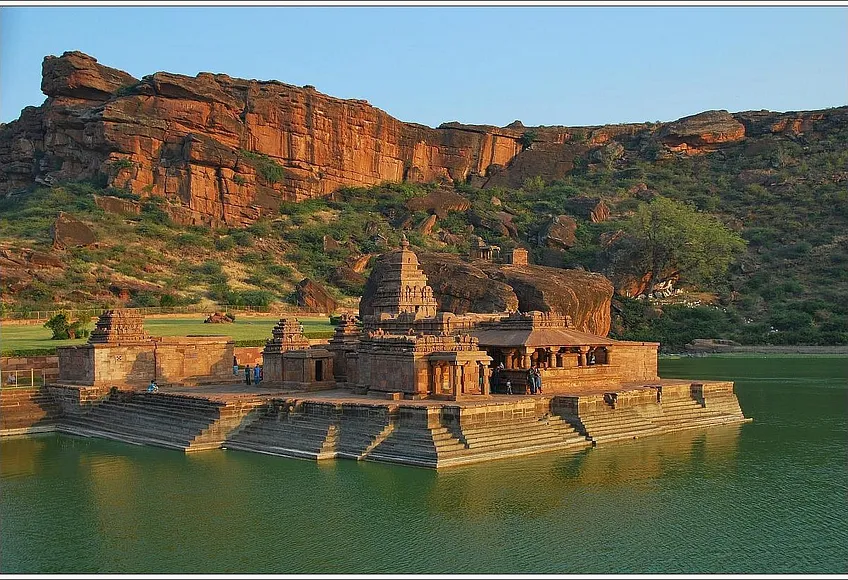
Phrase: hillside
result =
(213, 188)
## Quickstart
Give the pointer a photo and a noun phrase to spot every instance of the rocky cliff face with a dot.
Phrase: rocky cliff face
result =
(225, 150)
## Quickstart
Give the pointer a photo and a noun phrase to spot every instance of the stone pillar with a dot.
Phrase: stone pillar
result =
(526, 359)
(581, 356)
(559, 358)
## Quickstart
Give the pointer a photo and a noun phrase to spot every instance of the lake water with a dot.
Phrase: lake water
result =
(766, 497)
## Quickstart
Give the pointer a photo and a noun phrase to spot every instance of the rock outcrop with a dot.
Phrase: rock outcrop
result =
(559, 233)
(312, 295)
(439, 202)
(702, 132)
(69, 232)
(227, 151)
(462, 287)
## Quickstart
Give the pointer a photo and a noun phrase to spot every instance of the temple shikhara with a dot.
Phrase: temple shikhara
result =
(404, 383)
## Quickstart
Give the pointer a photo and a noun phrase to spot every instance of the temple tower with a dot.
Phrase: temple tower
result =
(119, 327)
(403, 288)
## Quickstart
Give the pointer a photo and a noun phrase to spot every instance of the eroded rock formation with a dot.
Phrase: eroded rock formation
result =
(225, 151)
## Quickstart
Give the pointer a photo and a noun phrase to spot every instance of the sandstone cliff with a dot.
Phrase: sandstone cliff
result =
(226, 150)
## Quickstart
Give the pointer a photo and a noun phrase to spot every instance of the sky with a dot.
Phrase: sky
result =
(543, 65)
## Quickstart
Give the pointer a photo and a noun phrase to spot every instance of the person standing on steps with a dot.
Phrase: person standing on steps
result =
(531, 379)
(257, 374)
(247, 374)
(538, 381)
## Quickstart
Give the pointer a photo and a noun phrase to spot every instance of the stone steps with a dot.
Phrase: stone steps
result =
(306, 436)
(133, 431)
(72, 428)
(123, 416)
(27, 409)
(507, 452)
(529, 433)
(176, 422)
(622, 435)
(617, 425)
(357, 438)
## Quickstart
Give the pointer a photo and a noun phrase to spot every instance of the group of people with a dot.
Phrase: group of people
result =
(534, 379)
(253, 375)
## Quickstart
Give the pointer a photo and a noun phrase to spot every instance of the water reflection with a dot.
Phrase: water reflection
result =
(765, 497)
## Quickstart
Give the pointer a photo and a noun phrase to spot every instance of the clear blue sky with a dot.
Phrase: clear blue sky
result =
(548, 65)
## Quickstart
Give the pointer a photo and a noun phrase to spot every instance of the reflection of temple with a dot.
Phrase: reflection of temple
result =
(407, 348)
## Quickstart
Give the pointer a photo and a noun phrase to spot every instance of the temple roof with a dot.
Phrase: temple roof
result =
(535, 337)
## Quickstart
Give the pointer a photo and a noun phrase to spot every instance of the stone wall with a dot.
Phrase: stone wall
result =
(184, 360)
(248, 355)
(44, 366)
(630, 362)
(77, 400)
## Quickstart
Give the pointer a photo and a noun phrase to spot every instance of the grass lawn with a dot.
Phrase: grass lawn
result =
(36, 337)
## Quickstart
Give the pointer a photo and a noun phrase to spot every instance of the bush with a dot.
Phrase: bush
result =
(271, 171)
(224, 244)
(63, 329)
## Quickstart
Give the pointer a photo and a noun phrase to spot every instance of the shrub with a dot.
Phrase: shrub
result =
(120, 164)
(63, 329)
(527, 138)
(225, 243)
(271, 171)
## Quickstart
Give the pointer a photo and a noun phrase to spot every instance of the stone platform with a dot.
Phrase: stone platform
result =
(427, 433)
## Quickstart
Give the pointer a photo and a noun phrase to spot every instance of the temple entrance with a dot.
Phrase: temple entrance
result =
(319, 370)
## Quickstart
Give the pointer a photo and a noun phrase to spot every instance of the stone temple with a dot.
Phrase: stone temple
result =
(406, 384)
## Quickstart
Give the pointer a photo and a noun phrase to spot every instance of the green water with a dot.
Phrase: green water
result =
(766, 497)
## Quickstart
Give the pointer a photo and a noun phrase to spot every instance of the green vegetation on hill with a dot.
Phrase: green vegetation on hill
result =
(785, 197)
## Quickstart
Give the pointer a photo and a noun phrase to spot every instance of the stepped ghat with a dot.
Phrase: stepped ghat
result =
(407, 385)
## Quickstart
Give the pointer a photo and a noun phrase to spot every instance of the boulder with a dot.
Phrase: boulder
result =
(117, 205)
(330, 244)
(460, 287)
(426, 226)
(499, 222)
(78, 75)
(585, 296)
(44, 260)
(67, 231)
(359, 263)
(702, 132)
(559, 233)
(315, 297)
(593, 209)
(219, 318)
(439, 202)
(348, 279)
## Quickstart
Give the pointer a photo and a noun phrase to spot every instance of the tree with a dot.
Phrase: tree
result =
(64, 329)
(665, 236)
